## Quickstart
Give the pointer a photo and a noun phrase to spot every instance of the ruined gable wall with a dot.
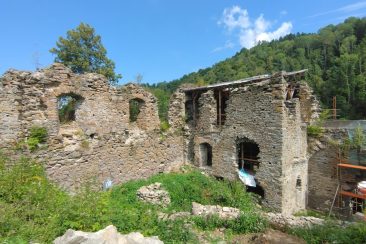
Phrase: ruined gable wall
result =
(252, 114)
(101, 143)
(260, 113)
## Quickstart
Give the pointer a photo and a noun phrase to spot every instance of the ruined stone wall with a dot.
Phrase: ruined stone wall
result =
(295, 162)
(323, 176)
(101, 143)
(259, 113)
(10, 109)
(252, 114)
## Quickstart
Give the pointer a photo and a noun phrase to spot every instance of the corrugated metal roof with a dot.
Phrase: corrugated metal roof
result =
(249, 80)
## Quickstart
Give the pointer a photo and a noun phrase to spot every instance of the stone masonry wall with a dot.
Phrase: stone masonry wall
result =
(260, 113)
(323, 179)
(101, 143)
(295, 162)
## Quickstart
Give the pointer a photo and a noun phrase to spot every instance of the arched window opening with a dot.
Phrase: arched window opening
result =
(205, 154)
(248, 155)
(136, 105)
(67, 105)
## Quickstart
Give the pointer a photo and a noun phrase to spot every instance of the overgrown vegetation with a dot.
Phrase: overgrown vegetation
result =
(315, 131)
(37, 136)
(332, 233)
(33, 209)
(317, 128)
(335, 57)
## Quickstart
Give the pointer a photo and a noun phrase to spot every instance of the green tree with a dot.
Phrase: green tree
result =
(83, 51)
(335, 58)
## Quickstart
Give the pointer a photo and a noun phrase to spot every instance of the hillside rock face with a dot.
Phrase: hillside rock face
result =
(109, 235)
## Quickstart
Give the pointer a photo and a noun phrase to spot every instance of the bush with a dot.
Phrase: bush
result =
(315, 131)
(37, 135)
(32, 209)
(164, 125)
(30, 204)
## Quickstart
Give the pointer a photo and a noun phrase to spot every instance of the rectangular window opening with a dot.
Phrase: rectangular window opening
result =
(221, 96)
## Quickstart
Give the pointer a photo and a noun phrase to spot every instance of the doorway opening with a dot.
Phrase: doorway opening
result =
(205, 154)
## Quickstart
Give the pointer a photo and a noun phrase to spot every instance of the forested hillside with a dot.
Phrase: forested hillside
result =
(335, 57)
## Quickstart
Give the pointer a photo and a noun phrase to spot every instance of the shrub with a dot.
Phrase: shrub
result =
(32, 209)
(32, 144)
(315, 131)
(37, 135)
(164, 125)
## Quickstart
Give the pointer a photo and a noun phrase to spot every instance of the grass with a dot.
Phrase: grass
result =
(32, 209)
(311, 213)
(332, 233)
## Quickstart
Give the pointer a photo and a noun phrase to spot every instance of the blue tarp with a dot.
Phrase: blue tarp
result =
(246, 178)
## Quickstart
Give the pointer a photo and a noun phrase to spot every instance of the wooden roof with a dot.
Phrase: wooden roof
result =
(253, 79)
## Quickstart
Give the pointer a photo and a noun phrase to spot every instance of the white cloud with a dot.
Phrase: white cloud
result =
(345, 9)
(236, 18)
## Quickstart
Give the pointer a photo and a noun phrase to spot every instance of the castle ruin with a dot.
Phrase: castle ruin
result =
(257, 123)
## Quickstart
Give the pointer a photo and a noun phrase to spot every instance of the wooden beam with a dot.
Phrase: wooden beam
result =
(220, 107)
(242, 155)
(351, 194)
(352, 166)
(194, 107)
(335, 107)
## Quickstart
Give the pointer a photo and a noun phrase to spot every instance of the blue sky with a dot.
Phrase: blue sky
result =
(160, 39)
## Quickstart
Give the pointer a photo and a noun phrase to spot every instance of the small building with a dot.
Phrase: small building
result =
(256, 124)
